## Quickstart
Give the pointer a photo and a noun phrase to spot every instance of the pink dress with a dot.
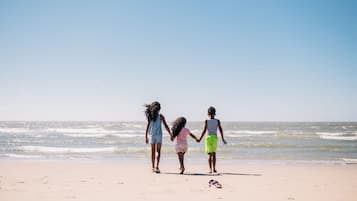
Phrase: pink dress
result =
(181, 141)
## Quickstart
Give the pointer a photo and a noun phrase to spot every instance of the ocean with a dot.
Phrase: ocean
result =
(254, 141)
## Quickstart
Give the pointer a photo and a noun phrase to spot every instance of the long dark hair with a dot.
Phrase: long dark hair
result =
(152, 111)
(177, 125)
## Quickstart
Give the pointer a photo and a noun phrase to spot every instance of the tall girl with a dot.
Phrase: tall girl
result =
(153, 133)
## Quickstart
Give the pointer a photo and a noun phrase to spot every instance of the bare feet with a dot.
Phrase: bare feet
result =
(182, 170)
(215, 171)
(157, 170)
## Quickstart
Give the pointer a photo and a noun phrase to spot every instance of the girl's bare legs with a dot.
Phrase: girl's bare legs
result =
(181, 158)
(158, 149)
(153, 156)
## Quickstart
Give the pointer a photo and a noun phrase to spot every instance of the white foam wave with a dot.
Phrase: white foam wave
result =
(330, 134)
(45, 149)
(350, 160)
(103, 135)
(15, 130)
(338, 137)
(21, 156)
(91, 131)
(131, 125)
(79, 130)
(237, 136)
(249, 132)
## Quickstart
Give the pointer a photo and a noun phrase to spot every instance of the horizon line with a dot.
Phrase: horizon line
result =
(242, 121)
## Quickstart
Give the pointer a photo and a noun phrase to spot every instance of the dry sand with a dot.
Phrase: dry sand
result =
(60, 180)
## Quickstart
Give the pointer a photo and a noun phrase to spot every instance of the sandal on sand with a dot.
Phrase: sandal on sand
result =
(214, 183)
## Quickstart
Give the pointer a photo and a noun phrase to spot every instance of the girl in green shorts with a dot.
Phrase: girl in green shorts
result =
(211, 125)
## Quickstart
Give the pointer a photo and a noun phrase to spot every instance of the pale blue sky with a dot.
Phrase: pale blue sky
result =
(254, 60)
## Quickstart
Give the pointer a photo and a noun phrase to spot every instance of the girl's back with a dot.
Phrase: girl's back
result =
(182, 136)
(155, 126)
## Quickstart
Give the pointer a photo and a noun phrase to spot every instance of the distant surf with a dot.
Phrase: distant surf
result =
(310, 141)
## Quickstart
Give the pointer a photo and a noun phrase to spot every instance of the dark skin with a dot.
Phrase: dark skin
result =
(156, 148)
(181, 155)
(212, 156)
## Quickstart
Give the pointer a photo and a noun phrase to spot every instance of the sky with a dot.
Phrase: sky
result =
(253, 60)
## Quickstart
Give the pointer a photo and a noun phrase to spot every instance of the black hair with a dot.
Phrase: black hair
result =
(152, 111)
(211, 110)
(177, 125)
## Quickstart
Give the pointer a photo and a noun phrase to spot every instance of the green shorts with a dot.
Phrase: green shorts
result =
(211, 143)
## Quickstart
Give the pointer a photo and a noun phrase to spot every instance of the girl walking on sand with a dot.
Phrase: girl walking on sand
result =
(211, 125)
(180, 133)
(153, 133)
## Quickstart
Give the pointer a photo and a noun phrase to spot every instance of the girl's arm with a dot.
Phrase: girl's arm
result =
(203, 132)
(221, 131)
(146, 133)
(166, 126)
(193, 136)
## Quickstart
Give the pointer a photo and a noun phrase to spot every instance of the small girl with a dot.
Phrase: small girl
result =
(153, 128)
(179, 131)
(211, 140)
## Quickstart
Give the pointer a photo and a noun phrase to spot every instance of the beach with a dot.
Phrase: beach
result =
(110, 161)
(98, 180)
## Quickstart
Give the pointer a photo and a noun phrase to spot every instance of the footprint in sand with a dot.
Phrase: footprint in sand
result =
(44, 180)
(70, 197)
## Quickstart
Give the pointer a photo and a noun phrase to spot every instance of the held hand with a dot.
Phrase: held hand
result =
(198, 140)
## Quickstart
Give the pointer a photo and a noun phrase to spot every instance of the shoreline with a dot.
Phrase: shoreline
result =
(201, 161)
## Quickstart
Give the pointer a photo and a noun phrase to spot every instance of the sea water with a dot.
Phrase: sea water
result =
(273, 141)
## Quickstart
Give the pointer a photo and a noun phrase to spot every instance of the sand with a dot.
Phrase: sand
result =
(61, 180)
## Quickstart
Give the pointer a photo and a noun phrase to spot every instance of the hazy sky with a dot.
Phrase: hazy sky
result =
(254, 60)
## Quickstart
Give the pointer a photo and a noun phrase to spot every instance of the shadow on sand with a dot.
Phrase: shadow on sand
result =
(212, 175)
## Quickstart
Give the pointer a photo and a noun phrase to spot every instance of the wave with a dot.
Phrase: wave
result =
(20, 156)
(103, 135)
(337, 136)
(266, 145)
(330, 133)
(348, 138)
(237, 136)
(79, 130)
(66, 150)
(15, 130)
(249, 132)
(45, 149)
(92, 131)
(350, 160)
